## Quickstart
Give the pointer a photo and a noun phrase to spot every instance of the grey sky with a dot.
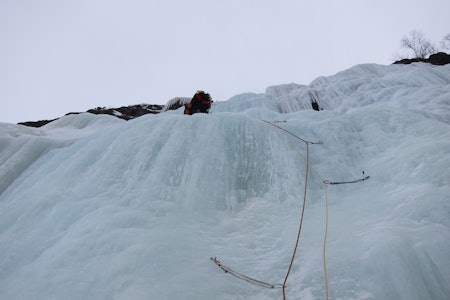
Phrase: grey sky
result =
(59, 56)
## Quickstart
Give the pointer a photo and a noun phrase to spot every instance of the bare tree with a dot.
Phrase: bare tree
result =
(445, 43)
(418, 44)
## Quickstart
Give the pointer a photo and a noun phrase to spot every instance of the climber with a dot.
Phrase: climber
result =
(200, 103)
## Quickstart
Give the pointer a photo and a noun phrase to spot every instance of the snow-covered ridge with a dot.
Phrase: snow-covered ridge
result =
(124, 112)
(422, 87)
(95, 207)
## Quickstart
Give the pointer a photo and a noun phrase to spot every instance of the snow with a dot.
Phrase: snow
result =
(176, 100)
(94, 207)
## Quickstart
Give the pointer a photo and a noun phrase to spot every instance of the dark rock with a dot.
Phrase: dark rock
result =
(124, 112)
(128, 112)
(407, 61)
(439, 59)
(36, 123)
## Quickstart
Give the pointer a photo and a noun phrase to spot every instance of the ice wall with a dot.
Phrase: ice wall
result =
(92, 207)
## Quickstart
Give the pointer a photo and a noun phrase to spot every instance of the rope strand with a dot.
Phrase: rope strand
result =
(304, 203)
(301, 223)
(325, 242)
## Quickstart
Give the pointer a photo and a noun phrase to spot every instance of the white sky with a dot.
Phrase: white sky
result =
(60, 56)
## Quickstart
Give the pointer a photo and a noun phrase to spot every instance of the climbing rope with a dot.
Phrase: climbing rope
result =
(301, 223)
(325, 183)
(244, 277)
(308, 166)
(325, 276)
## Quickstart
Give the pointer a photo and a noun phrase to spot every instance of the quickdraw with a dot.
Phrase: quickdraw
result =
(244, 277)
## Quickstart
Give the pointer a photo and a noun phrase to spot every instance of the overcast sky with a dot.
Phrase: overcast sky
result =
(59, 56)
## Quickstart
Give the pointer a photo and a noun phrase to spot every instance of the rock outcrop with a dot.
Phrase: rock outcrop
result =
(124, 112)
(439, 59)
